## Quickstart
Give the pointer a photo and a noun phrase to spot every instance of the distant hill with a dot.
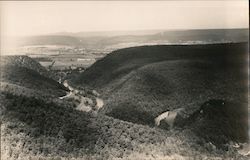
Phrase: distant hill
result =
(109, 33)
(182, 36)
(50, 40)
(109, 39)
(26, 72)
(206, 35)
(139, 83)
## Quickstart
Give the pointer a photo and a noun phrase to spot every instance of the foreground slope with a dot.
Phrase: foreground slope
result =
(34, 129)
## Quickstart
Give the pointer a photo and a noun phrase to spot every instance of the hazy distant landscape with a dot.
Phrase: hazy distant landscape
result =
(84, 48)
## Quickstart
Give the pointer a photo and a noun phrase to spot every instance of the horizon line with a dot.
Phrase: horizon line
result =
(100, 31)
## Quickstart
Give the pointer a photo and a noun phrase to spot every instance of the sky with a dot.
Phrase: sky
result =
(42, 17)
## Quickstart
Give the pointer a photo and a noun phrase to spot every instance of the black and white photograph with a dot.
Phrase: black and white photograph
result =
(124, 80)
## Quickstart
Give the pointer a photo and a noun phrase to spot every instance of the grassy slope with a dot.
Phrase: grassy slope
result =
(34, 129)
(121, 62)
(27, 73)
(168, 77)
(231, 118)
(24, 61)
(31, 79)
(139, 83)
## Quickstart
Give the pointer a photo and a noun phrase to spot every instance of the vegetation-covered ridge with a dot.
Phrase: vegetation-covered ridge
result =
(34, 129)
(139, 83)
(25, 72)
(123, 61)
(23, 61)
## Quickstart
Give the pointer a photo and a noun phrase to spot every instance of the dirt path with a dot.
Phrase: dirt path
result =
(99, 103)
(86, 104)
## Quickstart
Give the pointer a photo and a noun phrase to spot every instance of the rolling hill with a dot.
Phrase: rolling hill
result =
(139, 83)
(24, 61)
(24, 72)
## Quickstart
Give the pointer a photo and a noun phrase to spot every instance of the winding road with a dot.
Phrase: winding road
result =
(86, 104)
